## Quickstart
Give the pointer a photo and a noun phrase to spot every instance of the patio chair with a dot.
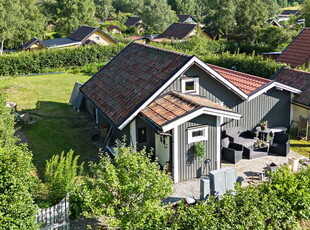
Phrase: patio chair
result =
(280, 144)
(231, 152)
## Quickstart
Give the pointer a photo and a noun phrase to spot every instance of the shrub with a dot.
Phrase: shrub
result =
(60, 175)
(62, 59)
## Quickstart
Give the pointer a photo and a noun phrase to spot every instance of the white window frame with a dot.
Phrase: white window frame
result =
(191, 139)
(196, 85)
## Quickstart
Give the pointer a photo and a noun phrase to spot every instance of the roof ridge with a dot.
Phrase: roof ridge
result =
(162, 49)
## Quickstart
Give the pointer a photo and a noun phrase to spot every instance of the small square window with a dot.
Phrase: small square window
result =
(190, 85)
(197, 134)
(97, 38)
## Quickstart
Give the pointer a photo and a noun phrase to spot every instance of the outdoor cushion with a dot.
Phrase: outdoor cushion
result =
(225, 142)
(240, 135)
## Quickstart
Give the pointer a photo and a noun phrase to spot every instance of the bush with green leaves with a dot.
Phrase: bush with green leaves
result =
(17, 209)
(277, 204)
(61, 174)
(128, 190)
(56, 59)
(199, 150)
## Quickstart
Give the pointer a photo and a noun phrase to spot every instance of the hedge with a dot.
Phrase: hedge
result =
(59, 59)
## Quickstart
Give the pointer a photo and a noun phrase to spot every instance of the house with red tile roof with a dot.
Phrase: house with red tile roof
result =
(297, 53)
(301, 80)
(170, 101)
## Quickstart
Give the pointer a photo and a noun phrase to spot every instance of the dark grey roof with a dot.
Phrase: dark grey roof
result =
(132, 21)
(177, 31)
(131, 78)
(32, 41)
(298, 79)
(58, 42)
(289, 12)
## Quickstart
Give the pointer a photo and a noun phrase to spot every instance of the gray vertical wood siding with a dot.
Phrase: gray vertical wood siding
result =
(189, 166)
(274, 105)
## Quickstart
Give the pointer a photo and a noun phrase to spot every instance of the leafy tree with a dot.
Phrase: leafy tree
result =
(273, 8)
(9, 18)
(250, 16)
(32, 24)
(128, 190)
(221, 17)
(103, 8)
(306, 12)
(183, 6)
(157, 15)
(275, 37)
(128, 6)
(60, 175)
(70, 14)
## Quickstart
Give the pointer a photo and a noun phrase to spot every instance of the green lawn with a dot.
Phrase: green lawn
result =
(59, 127)
(300, 146)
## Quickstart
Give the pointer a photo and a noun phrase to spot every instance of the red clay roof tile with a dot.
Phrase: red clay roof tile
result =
(297, 52)
(247, 83)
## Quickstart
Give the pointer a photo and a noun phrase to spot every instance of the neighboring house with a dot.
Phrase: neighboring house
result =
(300, 80)
(32, 44)
(271, 55)
(181, 31)
(82, 36)
(185, 18)
(297, 53)
(286, 14)
(135, 22)
(167, 101)
(115, 29)
(274, 22)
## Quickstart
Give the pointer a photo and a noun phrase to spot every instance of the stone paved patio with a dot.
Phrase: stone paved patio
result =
(244, 169)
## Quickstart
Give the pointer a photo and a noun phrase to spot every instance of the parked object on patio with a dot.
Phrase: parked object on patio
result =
(293, 162)
(231, 152)
(240, 135)
(222, 180)
(204, 188)
(304, 128)
(280, 144)
(272, 167)
(190, 200)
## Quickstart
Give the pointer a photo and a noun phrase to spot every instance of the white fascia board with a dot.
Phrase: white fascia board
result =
(71, 44)
(288, 88)
(274, 84)
(221, 78)
(156, 94)
(204, 110)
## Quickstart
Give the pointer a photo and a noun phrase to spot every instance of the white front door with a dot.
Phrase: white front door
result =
(162, 149)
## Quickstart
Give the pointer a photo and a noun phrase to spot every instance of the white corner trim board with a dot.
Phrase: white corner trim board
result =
(175, 159)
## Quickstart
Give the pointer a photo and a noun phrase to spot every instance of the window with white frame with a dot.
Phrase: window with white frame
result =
(196, 134)
(190, 85)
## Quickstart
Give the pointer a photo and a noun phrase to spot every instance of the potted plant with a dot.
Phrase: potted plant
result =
(263, 125)
(199, 150)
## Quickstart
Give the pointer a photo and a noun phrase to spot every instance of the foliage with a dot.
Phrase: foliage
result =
(277, 204)
(60, 175)
(37, 62)
(20, 20)
(70, 14)
(128, 6)
(17, 210)
(157, 15)
(128, 190)
(183, 6)
(199, 150)
(306, 12)
(103, 8)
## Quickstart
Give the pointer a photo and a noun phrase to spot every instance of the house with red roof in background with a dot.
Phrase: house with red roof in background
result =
(170, 102)
(297, 53)
(300, 103)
